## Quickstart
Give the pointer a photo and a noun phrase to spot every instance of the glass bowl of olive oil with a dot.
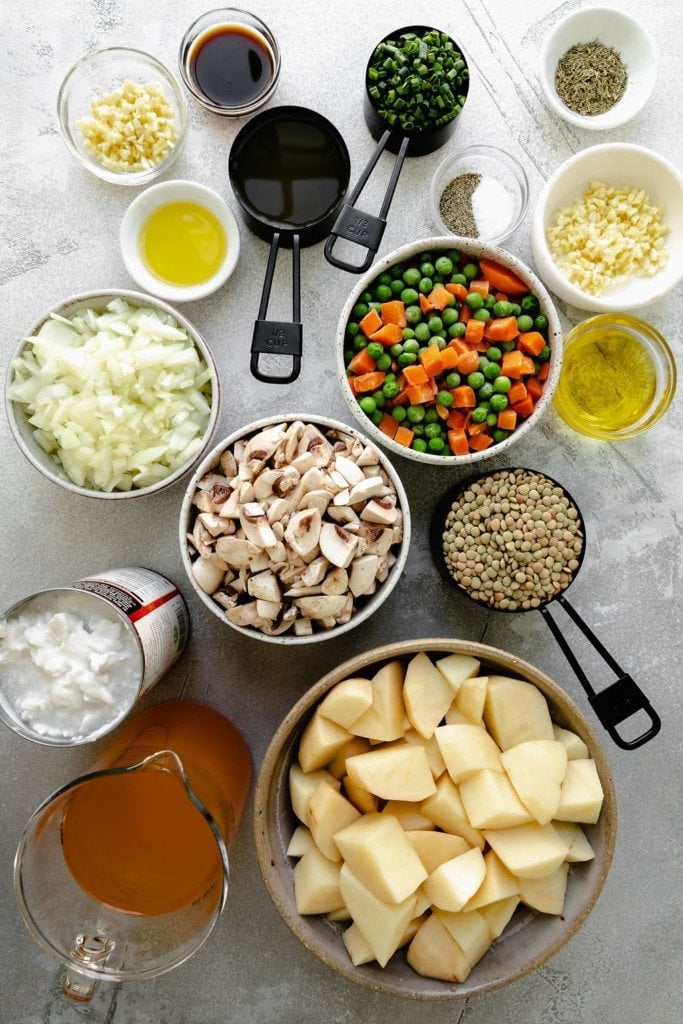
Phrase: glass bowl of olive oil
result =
(179, 240)
(618, 377)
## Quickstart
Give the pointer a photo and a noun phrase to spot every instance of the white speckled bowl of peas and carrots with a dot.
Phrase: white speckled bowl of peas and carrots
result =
(444, 373)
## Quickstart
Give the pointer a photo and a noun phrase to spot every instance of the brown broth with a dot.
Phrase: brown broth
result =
(232, 65)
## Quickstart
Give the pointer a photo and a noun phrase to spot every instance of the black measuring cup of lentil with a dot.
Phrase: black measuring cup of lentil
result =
(401, 127)
(289, 168)
(612, 705)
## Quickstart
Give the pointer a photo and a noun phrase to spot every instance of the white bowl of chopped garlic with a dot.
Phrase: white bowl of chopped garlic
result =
(607, 233)
(123, 115)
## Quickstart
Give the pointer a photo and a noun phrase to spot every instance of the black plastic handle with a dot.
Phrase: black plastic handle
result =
(617, 702)
(279, 337)
(355, 225)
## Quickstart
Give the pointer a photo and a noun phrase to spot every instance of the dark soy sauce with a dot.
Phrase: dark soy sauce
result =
(290, 172)
(232, 65)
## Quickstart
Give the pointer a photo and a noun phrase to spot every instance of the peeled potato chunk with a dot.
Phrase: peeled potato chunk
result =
(491, 802)
(347, 701)
(408, 814)
(536, 769)
(383, 720)
(426, 695)
(302, 786)
(316, 884)
(572, 834)
(471, 698)
(516, 711)
(573, 744)
(434, 848)
(357, 946)
(545, 894)
(456, 668)
(435, 954)
(399, 772)
(356, 745)
(382, 924)
(328, 812)
(446, 810)
(528, 851)
(470, 931)
(498, 884)
(467, 749)
(376, 849)
(320, 741)
(366, 802)
(437, 764)
(581, 796)
(497, 915)
(301, 841)
(455, 881)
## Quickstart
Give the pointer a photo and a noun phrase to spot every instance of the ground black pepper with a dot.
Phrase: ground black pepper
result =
(455, 205)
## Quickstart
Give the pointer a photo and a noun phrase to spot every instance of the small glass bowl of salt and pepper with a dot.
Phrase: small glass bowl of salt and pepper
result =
(479, 192)
(597, 68)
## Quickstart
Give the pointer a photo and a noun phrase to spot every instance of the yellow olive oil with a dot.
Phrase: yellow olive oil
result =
(182, 243)
(608, 381)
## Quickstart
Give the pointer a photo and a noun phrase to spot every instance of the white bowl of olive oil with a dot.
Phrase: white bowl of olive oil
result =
(179, 240)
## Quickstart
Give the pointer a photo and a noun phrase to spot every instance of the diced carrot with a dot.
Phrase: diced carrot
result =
(456, 419)
(394, 312)
(400, 399)
(370, 323)
(457, 441)
(431, 360)
(517, 393)
(458, 290)
(476, 428)
(442, 412)
(425, 304)
(531, 343)
(468, 362)
(528, 366)
(524, 408)
(419, 393)
(465, 314)
(501, 297)
(458, 345)
(367, 382)
(463, 397)
(480, 442)
(404, 436)
(388, 335)
(512, 363)
(474, 333)
(415, 374)
(507, 419)
(362, 362)
(449, 358)
(480, 287)
(439, 297)
(388, 425)
(543, 372)
(534, 387)
(502, 279)
(468, 420)
(505, 329)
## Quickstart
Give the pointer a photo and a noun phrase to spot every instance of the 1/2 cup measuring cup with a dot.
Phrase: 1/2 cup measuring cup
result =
(122, 874)
(613, 705)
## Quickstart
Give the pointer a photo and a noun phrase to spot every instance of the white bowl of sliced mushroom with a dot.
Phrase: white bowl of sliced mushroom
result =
(294, 529)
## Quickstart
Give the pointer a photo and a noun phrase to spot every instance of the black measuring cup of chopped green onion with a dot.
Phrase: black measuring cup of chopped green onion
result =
(416, 83)
(289, 168)
(481, 526)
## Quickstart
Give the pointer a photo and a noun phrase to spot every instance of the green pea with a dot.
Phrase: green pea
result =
(407, 358)
(544, 354)
(500, 435)
(411, 276)
(507, 346)
(435, 324)
(454, 256)
(479, 414)
(411, 345)
(445, 398)
(433, 430)
(416, 413)
(444, 265)
(494, 354)
(482, 314)
(502, 308)
(453, 380)
(529, 303)
(419, 445)
(348, 355)
(360, 310)
(376, 416)
(525, 323)
(384, 361)
(470, 271)
(491, 419)
(383, 292)
(489, 302)
(457, 331)
(389, 376)
(368, 404)
(449, 316)
(377, 306)
(422, 332)
(408, 335)
(541, 323)
(439, 341)
(366, 297)
(426, 284)
(431, 416)
(375, 349)
(499, 402)
(502, 385)
(516, 309)
(492, 371)
(474, 300)
(475, 380)
(459, 279)
(413, 314)
(483, 361)
(436, 444)
(399, 413)
(380, 400)
(352, 329)
(417, 428)
(360, 342)
(390, 389)
(485, 391)
(384, 278)
(396, 286)
(409, 296)
(396, 349)
(427, 269)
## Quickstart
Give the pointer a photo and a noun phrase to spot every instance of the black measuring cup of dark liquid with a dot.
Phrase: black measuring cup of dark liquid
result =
(366, 229)
(289, 169)
(612, 705)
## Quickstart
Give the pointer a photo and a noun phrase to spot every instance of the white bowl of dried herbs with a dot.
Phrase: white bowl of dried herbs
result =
(598, 68)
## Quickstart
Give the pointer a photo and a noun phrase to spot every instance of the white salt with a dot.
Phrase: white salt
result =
(493, 208)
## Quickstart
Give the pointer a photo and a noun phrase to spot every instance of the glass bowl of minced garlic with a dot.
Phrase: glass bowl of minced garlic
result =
(123, 115)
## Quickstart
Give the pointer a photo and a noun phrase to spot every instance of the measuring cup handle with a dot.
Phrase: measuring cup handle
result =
(616, 703)
(279, 337)
(364, 229)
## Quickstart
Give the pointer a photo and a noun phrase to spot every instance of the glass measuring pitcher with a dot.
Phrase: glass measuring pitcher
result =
(122, 874)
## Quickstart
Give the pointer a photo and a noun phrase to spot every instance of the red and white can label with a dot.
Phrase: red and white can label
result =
(155, 609)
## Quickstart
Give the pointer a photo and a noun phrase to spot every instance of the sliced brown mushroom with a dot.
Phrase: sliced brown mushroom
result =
(362, 575)
(349, 470)
(246, 615)
(303, 531)
(336, 582)
(216, 525)
(231, 508)
(303, 626)
(256, 526)
(380, 510)
(208, 576)
(337, 545)
(235, 551)
(322, 606)
(314, 573)
(319, 499)
(378, 539)
(264, 585)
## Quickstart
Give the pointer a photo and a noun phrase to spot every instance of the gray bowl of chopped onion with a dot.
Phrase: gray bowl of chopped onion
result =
(112, 394)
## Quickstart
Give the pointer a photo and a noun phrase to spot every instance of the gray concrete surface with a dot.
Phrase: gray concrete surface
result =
(60, 236)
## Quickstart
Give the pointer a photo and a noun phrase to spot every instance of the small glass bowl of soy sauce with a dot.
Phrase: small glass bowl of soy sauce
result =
(230, 61)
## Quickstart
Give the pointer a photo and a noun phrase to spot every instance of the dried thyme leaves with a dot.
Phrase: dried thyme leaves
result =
(590, 78)
(455, 206)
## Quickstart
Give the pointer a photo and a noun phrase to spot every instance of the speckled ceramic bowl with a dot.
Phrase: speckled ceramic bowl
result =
(476, 250)
(529, 940)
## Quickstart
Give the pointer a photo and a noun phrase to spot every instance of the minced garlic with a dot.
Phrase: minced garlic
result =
(608, 235)
(131, 129)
